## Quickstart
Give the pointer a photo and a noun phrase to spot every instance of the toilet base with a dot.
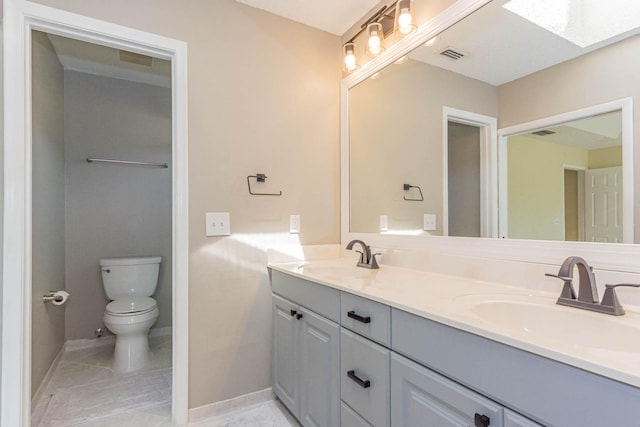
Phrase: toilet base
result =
(132, 339)
(131, 353)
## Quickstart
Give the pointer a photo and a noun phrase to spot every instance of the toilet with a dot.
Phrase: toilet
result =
(129, 284)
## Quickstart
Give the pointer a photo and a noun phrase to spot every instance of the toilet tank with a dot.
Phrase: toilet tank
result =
(134, 276)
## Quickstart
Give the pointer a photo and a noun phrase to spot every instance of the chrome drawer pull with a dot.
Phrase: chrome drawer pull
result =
(362, 383)
(364, 319)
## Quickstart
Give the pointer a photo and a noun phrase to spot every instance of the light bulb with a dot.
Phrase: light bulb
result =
(374, 43)
(350, 61)
(405, 21)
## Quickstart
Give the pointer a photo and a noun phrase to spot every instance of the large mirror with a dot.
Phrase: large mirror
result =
(500, 127)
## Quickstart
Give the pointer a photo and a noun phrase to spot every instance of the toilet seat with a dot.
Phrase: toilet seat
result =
(131, 306)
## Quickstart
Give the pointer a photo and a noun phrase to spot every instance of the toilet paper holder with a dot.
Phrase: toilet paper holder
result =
(54, 296)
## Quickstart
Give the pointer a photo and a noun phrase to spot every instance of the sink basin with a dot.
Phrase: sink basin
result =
(539, 319)
(334, 270)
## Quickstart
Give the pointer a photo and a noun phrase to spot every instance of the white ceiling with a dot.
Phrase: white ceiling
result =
(602, 131)
(332, 16)
(105, 61)
(501, 46)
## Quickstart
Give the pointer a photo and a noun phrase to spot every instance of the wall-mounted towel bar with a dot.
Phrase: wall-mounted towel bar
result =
(408, 187)
(260, 177)
(128, 162)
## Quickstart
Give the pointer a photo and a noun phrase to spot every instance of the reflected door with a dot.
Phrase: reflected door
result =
(603, 210)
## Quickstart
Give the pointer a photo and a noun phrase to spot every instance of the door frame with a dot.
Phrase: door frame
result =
(20, 18)
(625, 105)
(580, 171)
(488, 167)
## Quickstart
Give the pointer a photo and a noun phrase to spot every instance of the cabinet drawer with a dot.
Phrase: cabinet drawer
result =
(349, 418)
(364, 377)
(366, 317)
(423, 397)
(318, 298)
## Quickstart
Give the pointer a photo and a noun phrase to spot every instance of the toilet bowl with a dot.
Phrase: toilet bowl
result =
(130, 319)
(129, 284)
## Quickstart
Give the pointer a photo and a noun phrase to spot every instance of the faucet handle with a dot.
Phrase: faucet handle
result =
(362, 261)
(374, 263)
(567, 288)
(610, 298)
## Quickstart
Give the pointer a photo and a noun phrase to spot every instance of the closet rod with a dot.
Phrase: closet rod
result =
(128, 162)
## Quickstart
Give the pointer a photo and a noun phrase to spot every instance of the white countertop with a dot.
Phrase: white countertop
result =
(526, 319)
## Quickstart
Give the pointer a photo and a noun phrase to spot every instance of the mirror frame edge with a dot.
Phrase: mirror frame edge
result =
(612, 256)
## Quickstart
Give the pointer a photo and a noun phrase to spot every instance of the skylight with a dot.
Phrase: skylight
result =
(582, 22)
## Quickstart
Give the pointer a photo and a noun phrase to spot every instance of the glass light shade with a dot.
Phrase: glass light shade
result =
(374, 42)
(350, 62)
(404, 20)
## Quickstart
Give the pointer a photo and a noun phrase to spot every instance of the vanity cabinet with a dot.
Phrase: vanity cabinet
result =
(344, 360)
(423, 397)
(306, 357)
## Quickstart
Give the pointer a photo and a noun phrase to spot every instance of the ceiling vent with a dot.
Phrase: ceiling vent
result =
(453, 53)
(543, 132)
(135, 58)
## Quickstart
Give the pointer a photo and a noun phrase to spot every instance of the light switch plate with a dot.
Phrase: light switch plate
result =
(217, 224)
(384, 223)
(429, 222)
(294, 224)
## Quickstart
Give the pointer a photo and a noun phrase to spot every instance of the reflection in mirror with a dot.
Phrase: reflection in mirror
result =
(496, 65)
(564, 182)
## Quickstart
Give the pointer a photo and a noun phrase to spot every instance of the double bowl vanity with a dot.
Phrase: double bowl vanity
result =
(401, 347)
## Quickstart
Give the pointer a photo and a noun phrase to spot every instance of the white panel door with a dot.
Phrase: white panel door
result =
(603, 205)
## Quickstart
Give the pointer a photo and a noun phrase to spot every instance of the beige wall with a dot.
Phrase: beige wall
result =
(114, 210)
(535, 179)
(605, 157)
(263, 97)
(396, 138)
(598, 77)
(48, 220)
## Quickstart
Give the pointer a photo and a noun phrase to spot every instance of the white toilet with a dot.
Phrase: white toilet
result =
(129, 284)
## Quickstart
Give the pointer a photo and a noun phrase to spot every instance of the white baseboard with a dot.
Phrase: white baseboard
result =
(218, 408)
(45, 381)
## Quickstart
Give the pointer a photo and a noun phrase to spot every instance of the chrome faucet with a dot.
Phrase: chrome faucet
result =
(367, 259)
(587, 291)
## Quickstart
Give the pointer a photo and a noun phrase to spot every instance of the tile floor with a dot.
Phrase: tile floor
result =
(85, 392)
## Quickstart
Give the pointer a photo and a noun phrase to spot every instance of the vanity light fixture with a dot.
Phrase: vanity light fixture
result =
(383, 23)
(350, 62)
(404, 20)
(374, 40)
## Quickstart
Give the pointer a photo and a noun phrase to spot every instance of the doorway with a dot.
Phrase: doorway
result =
(542, 163)
(469, 174)
(92, 101)
(20, 19)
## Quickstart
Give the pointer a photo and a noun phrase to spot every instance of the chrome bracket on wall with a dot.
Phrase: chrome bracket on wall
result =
(408, 187)
(260, 177)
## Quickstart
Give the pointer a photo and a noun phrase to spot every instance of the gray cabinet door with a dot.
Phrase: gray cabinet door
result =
(319, 365)
(286, 332)
(421, 397)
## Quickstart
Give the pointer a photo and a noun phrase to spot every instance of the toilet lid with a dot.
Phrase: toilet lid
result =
(130, 305)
